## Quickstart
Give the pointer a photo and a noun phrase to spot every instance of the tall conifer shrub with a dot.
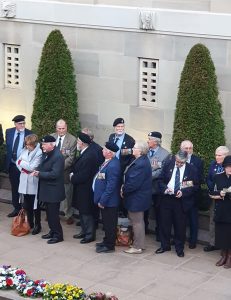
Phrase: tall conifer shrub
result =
(198, 115)
(55, 94)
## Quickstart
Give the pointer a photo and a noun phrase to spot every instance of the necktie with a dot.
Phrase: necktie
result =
(15, 147)
(59, 144)
(116, 140)
(177, 180)
(151, 153)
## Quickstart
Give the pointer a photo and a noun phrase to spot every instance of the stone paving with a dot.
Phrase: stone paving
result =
(145, 276)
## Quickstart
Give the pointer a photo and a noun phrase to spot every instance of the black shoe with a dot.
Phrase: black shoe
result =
(79, 236)
(162, 250)
(192, 246)
(54, 241)
(100, 244)
(180, 254)
(14, 213)
(87, 240)
(104, 249)
(47, 236)
(36, 229)
(210, 248)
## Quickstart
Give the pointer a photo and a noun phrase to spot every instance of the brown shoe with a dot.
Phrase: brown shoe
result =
(70, 221)
(223, 258)
(227, 265)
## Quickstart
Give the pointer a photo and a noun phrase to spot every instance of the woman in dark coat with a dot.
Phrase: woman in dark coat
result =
(222, 213)
(137, 193)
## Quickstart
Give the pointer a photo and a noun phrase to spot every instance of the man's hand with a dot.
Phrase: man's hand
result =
(168, 191)
(179, 194)
(35, 173)
(100, 206)
(71, 174)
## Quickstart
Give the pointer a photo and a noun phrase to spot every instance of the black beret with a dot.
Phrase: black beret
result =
(19, 118)
(84, 138)
(118, 121)
(155, 134)
(111, 146)
(48, 139)
(227, 161)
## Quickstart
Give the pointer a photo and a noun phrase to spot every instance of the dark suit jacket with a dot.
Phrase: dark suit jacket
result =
(198, 163)
(137, 188)
(84, 169)
(107, 184)
(98, 151)
(213, 170)
(9, 143)
(188, 193)
(128, 143)
(51, 178)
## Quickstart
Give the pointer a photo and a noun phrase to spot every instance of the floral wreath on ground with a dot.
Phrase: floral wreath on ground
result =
(15, 278)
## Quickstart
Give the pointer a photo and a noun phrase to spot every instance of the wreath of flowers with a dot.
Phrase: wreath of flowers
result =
(15, 278)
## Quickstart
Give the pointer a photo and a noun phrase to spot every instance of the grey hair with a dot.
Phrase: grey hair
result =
(223, 149)
(182, 155)
(143, 146)
(157, 140)
(88, 132)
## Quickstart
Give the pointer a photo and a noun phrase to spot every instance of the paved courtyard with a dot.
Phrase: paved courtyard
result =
(145, 276)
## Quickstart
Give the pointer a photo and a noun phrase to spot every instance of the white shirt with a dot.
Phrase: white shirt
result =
(57, 140)
(171, 184)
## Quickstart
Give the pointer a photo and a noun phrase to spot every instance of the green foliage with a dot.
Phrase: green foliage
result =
(198, 115)
(55, 94)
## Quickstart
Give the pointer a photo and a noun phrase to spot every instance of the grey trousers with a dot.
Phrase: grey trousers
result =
(211, 224)
(137, 220)
(66, 205)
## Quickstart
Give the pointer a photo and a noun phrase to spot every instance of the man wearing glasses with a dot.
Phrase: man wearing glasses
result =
(179, 183)
(14, 145)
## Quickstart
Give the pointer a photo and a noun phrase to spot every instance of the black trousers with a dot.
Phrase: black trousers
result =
(156, 207)
(53, 220)
(14, 175)
(33, 215)
(172, 214)
(109, 218)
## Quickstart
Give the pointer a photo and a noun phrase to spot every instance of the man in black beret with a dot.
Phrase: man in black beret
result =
(106, 186)
(157, 156)
(125, 143)
(51, 186)
(14, 145)
(84, 169)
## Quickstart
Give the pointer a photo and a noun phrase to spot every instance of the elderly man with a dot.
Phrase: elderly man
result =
(51, 187)
(215, 167)
(157, 156)
(14, 145)
(178, 184)
(84, 169)
(193, 212)
(106, 187)
(66, 142)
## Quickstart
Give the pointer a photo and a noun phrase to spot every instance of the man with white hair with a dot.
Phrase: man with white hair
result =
(194, 160)
(157, 156)
(215, 167)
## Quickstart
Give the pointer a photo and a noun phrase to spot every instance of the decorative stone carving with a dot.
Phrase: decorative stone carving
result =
(146, 20)
(8, 8)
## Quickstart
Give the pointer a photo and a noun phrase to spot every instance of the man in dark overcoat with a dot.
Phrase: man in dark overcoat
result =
(14, 144)
(51, 187)
(84, 169)
(178, 184)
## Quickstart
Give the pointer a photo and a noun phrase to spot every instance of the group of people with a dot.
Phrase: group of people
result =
(126, 176)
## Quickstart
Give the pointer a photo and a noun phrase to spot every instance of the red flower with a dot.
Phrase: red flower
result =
(20, 272)
(37, 282)
(9, 282)
(29, 292)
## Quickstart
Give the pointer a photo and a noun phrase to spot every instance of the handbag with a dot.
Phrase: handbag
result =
(20, 225)
(124, 236)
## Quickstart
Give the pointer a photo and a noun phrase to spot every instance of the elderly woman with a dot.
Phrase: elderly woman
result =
(27, 162)
(222, 213)
(214, 168)
(137, 193)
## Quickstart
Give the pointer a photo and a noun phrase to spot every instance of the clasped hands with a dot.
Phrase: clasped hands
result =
(178, 194)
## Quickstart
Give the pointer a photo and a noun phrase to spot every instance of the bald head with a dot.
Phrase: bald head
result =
(187, 146)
